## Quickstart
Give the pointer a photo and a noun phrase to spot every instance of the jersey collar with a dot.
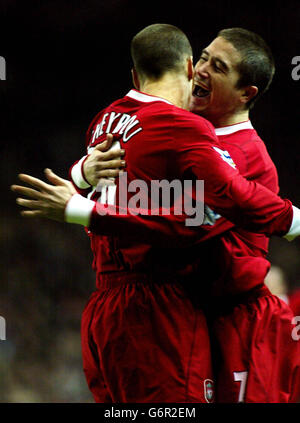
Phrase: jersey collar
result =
(230, 129)
(145, 98)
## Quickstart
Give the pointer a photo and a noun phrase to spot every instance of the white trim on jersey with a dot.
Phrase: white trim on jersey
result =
(294, 231)
(145, 98)
(76, 174)
(226, 130)
(79, 210)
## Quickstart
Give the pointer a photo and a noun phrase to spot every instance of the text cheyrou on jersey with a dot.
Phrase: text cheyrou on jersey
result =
(117, 123)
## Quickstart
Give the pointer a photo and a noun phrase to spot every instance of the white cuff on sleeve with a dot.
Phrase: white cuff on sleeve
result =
(294, 231)
(79, 210)
(77, 176)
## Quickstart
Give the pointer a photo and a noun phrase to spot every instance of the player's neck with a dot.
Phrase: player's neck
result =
(230, 119)
(175, 89)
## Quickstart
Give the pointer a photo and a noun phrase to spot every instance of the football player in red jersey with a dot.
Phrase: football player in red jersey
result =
(258, 359)
(231, 74)
(240, 376)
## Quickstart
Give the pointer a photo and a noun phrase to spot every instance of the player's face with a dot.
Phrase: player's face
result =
(215, 95)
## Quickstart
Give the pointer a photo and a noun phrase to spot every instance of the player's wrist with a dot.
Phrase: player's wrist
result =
(82, 170)
(294, 230)
(79, 210)
(78, 176)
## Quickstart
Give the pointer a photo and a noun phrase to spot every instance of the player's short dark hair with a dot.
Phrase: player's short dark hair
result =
(257, 65)
(159, 48)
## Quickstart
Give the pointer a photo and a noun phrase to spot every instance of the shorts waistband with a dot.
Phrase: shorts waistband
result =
(225, 304)
(112, 280)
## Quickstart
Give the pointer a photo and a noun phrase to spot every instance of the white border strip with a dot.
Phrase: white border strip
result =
(137, 95)
(226, 130)
(76, 174)
(79, 210)
(294, 231)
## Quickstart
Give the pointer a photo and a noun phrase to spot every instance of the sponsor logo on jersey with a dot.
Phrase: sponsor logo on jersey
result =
(225, 156)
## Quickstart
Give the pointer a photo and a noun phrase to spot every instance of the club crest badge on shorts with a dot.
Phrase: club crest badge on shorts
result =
(209, 390)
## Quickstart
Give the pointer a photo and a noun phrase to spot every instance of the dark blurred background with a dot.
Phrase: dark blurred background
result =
(66, 60)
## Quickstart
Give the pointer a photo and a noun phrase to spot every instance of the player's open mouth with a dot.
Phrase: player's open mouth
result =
(200, 91)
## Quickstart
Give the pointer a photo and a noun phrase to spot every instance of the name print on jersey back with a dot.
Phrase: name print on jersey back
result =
(117, 123)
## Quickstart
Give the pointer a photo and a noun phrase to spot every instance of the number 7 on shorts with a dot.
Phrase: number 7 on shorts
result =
(242, 378)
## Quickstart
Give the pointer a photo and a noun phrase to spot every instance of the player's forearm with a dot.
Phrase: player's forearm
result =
(254, 207)
(170, 230)
(163, 230)
(245, 203)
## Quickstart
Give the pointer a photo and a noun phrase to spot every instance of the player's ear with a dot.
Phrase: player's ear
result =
(135, 79)
(248, 93)
(190, 68)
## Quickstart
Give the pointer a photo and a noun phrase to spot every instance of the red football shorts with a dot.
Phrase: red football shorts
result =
(145, 342)
(258, 360)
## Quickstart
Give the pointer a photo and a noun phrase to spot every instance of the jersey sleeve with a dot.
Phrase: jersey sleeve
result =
(196, 156)
(245, 203)
(170, 230)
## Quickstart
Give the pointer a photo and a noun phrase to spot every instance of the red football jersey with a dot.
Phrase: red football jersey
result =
(164, 142)
(242, 253)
